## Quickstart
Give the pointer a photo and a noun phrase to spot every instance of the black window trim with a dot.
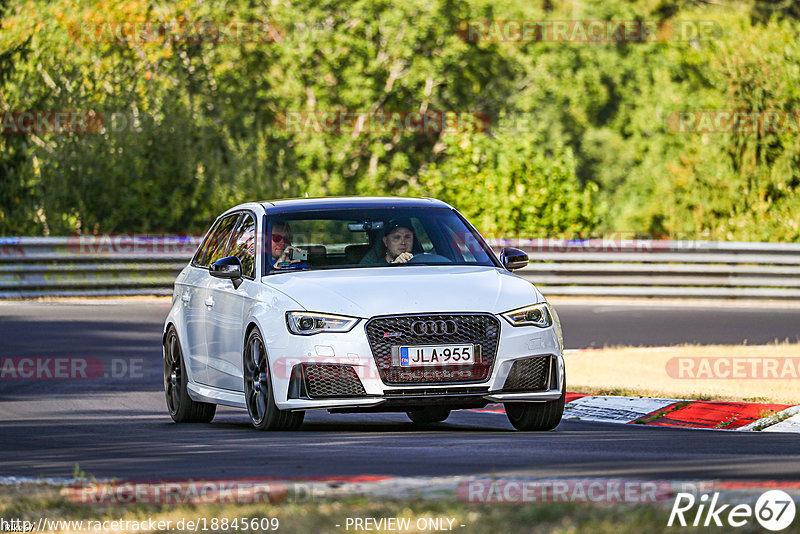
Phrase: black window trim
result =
(236, 227)
(221, 218)
(264, 249)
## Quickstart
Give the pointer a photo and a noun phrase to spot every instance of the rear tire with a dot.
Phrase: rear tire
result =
(536, 416)
(181, 407)
(428, 415)
(264, 413)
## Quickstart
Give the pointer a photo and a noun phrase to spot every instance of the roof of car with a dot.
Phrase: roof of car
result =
(324, 203)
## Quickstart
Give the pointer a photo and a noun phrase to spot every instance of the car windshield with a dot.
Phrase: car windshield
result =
(375, 237)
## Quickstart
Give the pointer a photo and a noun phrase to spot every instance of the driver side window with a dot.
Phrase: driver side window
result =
(218, 242)
(202, 250)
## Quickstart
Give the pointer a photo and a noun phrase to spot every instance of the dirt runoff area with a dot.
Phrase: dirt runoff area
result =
(757, 373)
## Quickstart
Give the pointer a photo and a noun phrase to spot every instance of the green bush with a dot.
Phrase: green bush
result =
(578, 140)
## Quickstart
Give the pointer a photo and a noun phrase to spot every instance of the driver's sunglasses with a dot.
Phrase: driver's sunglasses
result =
(278, 238)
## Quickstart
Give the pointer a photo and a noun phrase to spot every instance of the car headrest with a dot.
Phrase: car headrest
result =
(316, 253)
(355, 253)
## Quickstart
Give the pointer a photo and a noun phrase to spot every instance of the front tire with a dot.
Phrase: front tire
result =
(536, 416)
(181, 407)
(428, 415)
(264, 414)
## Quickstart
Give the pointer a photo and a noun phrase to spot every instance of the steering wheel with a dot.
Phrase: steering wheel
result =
(428, 257)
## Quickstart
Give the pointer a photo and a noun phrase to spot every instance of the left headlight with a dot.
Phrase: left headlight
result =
(536, 315)
(309, 323)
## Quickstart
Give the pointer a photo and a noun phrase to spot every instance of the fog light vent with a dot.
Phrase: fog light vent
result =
(530, 374)
(332, 380)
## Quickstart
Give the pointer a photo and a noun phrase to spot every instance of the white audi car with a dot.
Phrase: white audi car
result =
(358, 305)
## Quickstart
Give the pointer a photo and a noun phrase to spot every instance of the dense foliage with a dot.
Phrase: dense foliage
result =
(578, 138)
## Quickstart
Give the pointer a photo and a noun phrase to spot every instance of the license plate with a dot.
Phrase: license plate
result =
(433, 355)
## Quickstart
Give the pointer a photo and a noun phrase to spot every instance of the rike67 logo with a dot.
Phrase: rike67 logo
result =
(774, 510)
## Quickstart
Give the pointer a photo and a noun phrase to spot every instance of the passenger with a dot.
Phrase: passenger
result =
(281, 249)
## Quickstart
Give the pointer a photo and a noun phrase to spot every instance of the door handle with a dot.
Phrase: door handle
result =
(186, 298)
(210, 302)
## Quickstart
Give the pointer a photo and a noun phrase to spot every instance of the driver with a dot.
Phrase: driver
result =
(398, 240)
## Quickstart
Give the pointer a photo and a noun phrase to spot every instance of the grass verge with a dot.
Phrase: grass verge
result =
(690, 372)
(32, 502)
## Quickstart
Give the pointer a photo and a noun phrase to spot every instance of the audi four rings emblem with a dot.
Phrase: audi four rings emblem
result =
(440, 327)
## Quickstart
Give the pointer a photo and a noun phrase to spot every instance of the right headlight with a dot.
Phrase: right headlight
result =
(535, 315)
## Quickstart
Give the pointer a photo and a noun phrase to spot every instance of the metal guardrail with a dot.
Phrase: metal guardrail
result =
(651, 268)
(147, 265)
(104, 265)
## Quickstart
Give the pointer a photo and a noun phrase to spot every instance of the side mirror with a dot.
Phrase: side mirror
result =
(513, 258)
(228, 268)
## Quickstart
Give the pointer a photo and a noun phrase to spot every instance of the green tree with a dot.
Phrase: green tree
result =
(508, 185)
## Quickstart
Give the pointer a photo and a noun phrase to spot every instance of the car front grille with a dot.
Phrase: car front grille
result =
(530, 374)
(479, 329)
(331, 380)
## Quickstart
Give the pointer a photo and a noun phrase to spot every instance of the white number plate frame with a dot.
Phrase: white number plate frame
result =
(436, 355)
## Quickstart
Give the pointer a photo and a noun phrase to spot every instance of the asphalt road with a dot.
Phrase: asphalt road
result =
(116, 424)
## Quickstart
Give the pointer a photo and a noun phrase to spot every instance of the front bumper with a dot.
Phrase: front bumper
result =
(351, 350)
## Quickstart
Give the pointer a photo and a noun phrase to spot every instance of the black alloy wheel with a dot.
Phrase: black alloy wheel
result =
(181, 407)
(264, 414)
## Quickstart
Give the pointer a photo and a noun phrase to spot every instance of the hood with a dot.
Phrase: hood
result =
(371, 291)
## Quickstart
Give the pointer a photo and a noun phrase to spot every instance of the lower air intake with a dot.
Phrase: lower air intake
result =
(529, 374)
(331, 380)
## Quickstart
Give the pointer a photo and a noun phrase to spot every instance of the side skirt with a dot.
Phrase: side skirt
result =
(216, 396)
